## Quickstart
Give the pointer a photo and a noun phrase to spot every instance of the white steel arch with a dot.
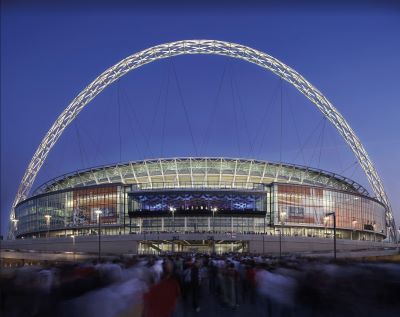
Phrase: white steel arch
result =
(212, 47)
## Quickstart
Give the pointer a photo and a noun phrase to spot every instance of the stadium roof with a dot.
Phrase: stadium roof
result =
(191, 171)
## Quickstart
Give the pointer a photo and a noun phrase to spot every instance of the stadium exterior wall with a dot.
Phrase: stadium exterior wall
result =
(201, 198)
(130, 244)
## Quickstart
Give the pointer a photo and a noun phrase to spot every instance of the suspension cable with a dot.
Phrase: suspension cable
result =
(295, 127)
(348, 167)
(338, 153)
(242, 109)
(165, 112)
(318, 142)
(157, 106)
(214, 109)
(309, 137)
(264, 127)
(136, 118)
(235, 113)
(79, 145)
(281, 123)
(97, 147)
(354, 171)
(322, 142)
(138, 148)
(184, 108)
(119, 122)
(267, 116)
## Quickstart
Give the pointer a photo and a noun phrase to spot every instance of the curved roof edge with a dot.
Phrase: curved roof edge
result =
(319, 177)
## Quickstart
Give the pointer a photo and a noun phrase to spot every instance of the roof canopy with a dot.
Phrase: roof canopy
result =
(187, 172)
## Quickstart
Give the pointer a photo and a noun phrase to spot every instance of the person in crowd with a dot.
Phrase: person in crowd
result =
(176, 286)
(195, 285)
(161, 298)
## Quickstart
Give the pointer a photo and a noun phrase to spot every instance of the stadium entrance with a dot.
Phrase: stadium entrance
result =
(196, 246)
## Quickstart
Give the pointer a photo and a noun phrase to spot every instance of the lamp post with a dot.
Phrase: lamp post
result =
(15, 223)
(334, 231)
(48, 217)
(282, 216)
(354, 224)
(264, 237)
(73, 246)
(172, 210)
(214, 210)
(98, 212)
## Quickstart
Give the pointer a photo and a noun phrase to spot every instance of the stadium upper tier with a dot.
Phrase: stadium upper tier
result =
(200, 172)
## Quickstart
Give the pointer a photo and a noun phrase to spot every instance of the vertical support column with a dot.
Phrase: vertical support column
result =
(122, 191)
(47, 212)
(263, 246)
(267, 203)
(209, 223)
(334, 234)
(65, 212)
(162, 224)
(275, 205)
(185, 224)
(99, 255)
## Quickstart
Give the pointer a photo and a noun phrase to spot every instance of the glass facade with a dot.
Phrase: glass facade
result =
(301, 207)
(296, 210)
(87, 201)
(69, 212)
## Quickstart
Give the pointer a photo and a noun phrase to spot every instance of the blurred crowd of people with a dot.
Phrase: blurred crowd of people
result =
(202, 285)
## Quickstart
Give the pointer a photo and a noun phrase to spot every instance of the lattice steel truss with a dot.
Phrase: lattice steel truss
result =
(200, 172)
(215, 48)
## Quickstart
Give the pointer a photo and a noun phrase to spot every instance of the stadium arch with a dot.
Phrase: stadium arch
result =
(209, 47)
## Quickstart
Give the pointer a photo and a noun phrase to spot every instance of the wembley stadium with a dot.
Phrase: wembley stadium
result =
(201, 204)
(203, 196)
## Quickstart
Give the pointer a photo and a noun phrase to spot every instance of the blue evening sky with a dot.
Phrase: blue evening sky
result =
(49, 54)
